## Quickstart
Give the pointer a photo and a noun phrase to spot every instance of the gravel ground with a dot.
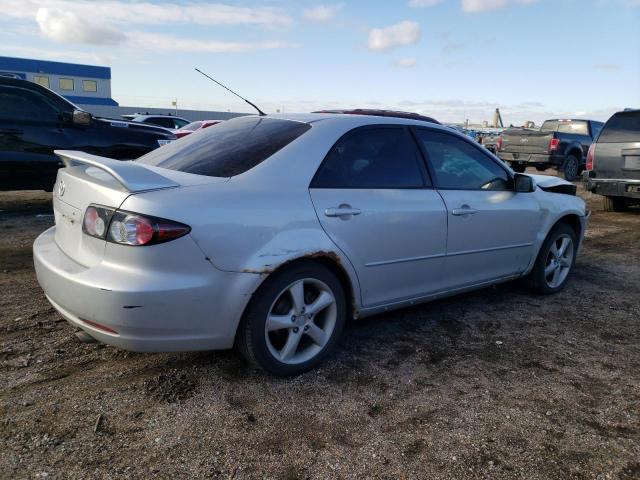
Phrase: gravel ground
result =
(494, 384)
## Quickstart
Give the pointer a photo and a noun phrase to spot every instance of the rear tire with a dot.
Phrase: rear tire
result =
(555, 260)
(571, 168)
(294, 320)
(518, 167)
(614, 204)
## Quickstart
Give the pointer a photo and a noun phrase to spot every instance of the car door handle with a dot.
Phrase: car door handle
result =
(463, 210)
(342, 211)
(10, 131)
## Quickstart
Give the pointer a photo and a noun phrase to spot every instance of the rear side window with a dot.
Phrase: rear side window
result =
(623, 127)
(160, 121)
(459, 165)
(371, 158)
(230, 149)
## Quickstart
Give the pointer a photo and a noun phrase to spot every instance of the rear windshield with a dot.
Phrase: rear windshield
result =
(623, 127)
(577, 127)
(232, 148)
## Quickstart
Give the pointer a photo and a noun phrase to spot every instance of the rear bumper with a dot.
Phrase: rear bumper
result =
(533, 158)
(611, 187)
(192, 307)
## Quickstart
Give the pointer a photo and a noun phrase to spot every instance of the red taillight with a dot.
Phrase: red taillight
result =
(126, 228)
(96, 219)
(499, 144)
(591, 156)
(553, 144)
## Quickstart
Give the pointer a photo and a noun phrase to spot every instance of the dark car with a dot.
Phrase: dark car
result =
(561, 144)
(613, 162)
(34, 121)
(167, 121)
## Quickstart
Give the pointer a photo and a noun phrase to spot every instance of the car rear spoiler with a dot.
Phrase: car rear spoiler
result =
(132, 176)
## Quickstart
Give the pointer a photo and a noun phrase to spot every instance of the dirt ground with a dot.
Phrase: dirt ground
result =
(495, 384)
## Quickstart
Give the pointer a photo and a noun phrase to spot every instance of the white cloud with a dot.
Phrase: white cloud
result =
(475, 6)
(408, 62)
(403, 33)
(121, 12)
(67, 27)
(423, 3)
(116, 22)
(170, 43)
(322, 13)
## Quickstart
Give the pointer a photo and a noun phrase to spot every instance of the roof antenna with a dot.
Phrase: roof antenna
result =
(260, 112)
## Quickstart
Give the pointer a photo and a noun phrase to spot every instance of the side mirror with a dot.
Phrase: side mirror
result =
(524, 183)
(80, 117)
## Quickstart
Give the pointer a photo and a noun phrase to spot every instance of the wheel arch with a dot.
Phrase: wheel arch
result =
(330, 260)
(575, 150)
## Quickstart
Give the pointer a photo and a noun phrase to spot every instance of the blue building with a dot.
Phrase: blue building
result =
(80, 84)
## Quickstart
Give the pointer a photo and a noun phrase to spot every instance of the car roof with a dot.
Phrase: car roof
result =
(381, 113)
(353, 120)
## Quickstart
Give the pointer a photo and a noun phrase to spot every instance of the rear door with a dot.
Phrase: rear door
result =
(29, 132)
(491, 228)
(617, 152)
(374, 199)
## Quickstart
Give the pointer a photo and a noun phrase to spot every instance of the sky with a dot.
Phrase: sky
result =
(451, 59)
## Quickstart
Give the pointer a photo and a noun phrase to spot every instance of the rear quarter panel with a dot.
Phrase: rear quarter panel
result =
(259, 220)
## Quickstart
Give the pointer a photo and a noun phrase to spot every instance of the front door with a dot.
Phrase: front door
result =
(491, 228)
(374, 199)
(29, 132)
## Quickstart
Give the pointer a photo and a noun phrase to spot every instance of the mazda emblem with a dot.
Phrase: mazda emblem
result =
(61, 188)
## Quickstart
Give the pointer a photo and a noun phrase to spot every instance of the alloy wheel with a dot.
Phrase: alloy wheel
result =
(559, 261)
(300, 321)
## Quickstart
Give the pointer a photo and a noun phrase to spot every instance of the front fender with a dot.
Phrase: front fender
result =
(554, 207)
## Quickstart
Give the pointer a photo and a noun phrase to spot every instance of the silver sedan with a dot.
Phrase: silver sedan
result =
(269, 232)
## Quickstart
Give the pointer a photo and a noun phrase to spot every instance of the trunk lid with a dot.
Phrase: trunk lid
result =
(617, 160)
(526, 141)
(88, 179)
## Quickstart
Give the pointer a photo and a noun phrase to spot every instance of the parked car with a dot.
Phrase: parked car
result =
(195, 126)
(561, 144)
(613, 162)
(167, 121)
(34, 121)
(268, 232)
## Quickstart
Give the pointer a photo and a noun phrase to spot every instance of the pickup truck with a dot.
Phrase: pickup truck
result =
(613, 162)
(561, 144)
(34, 121)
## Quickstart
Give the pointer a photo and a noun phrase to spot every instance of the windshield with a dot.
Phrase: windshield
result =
(232, 148)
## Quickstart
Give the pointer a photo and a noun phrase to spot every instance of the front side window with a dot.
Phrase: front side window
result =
(623, 127)
(41, 80)
(21, 104)
(89, 85)
(165, 122)
(65, 83)
(230, 149)
(371, 158)
(460, 165)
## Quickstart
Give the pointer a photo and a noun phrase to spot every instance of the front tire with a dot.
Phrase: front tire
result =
(555, 260)
(615, 204)
(294, 320)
